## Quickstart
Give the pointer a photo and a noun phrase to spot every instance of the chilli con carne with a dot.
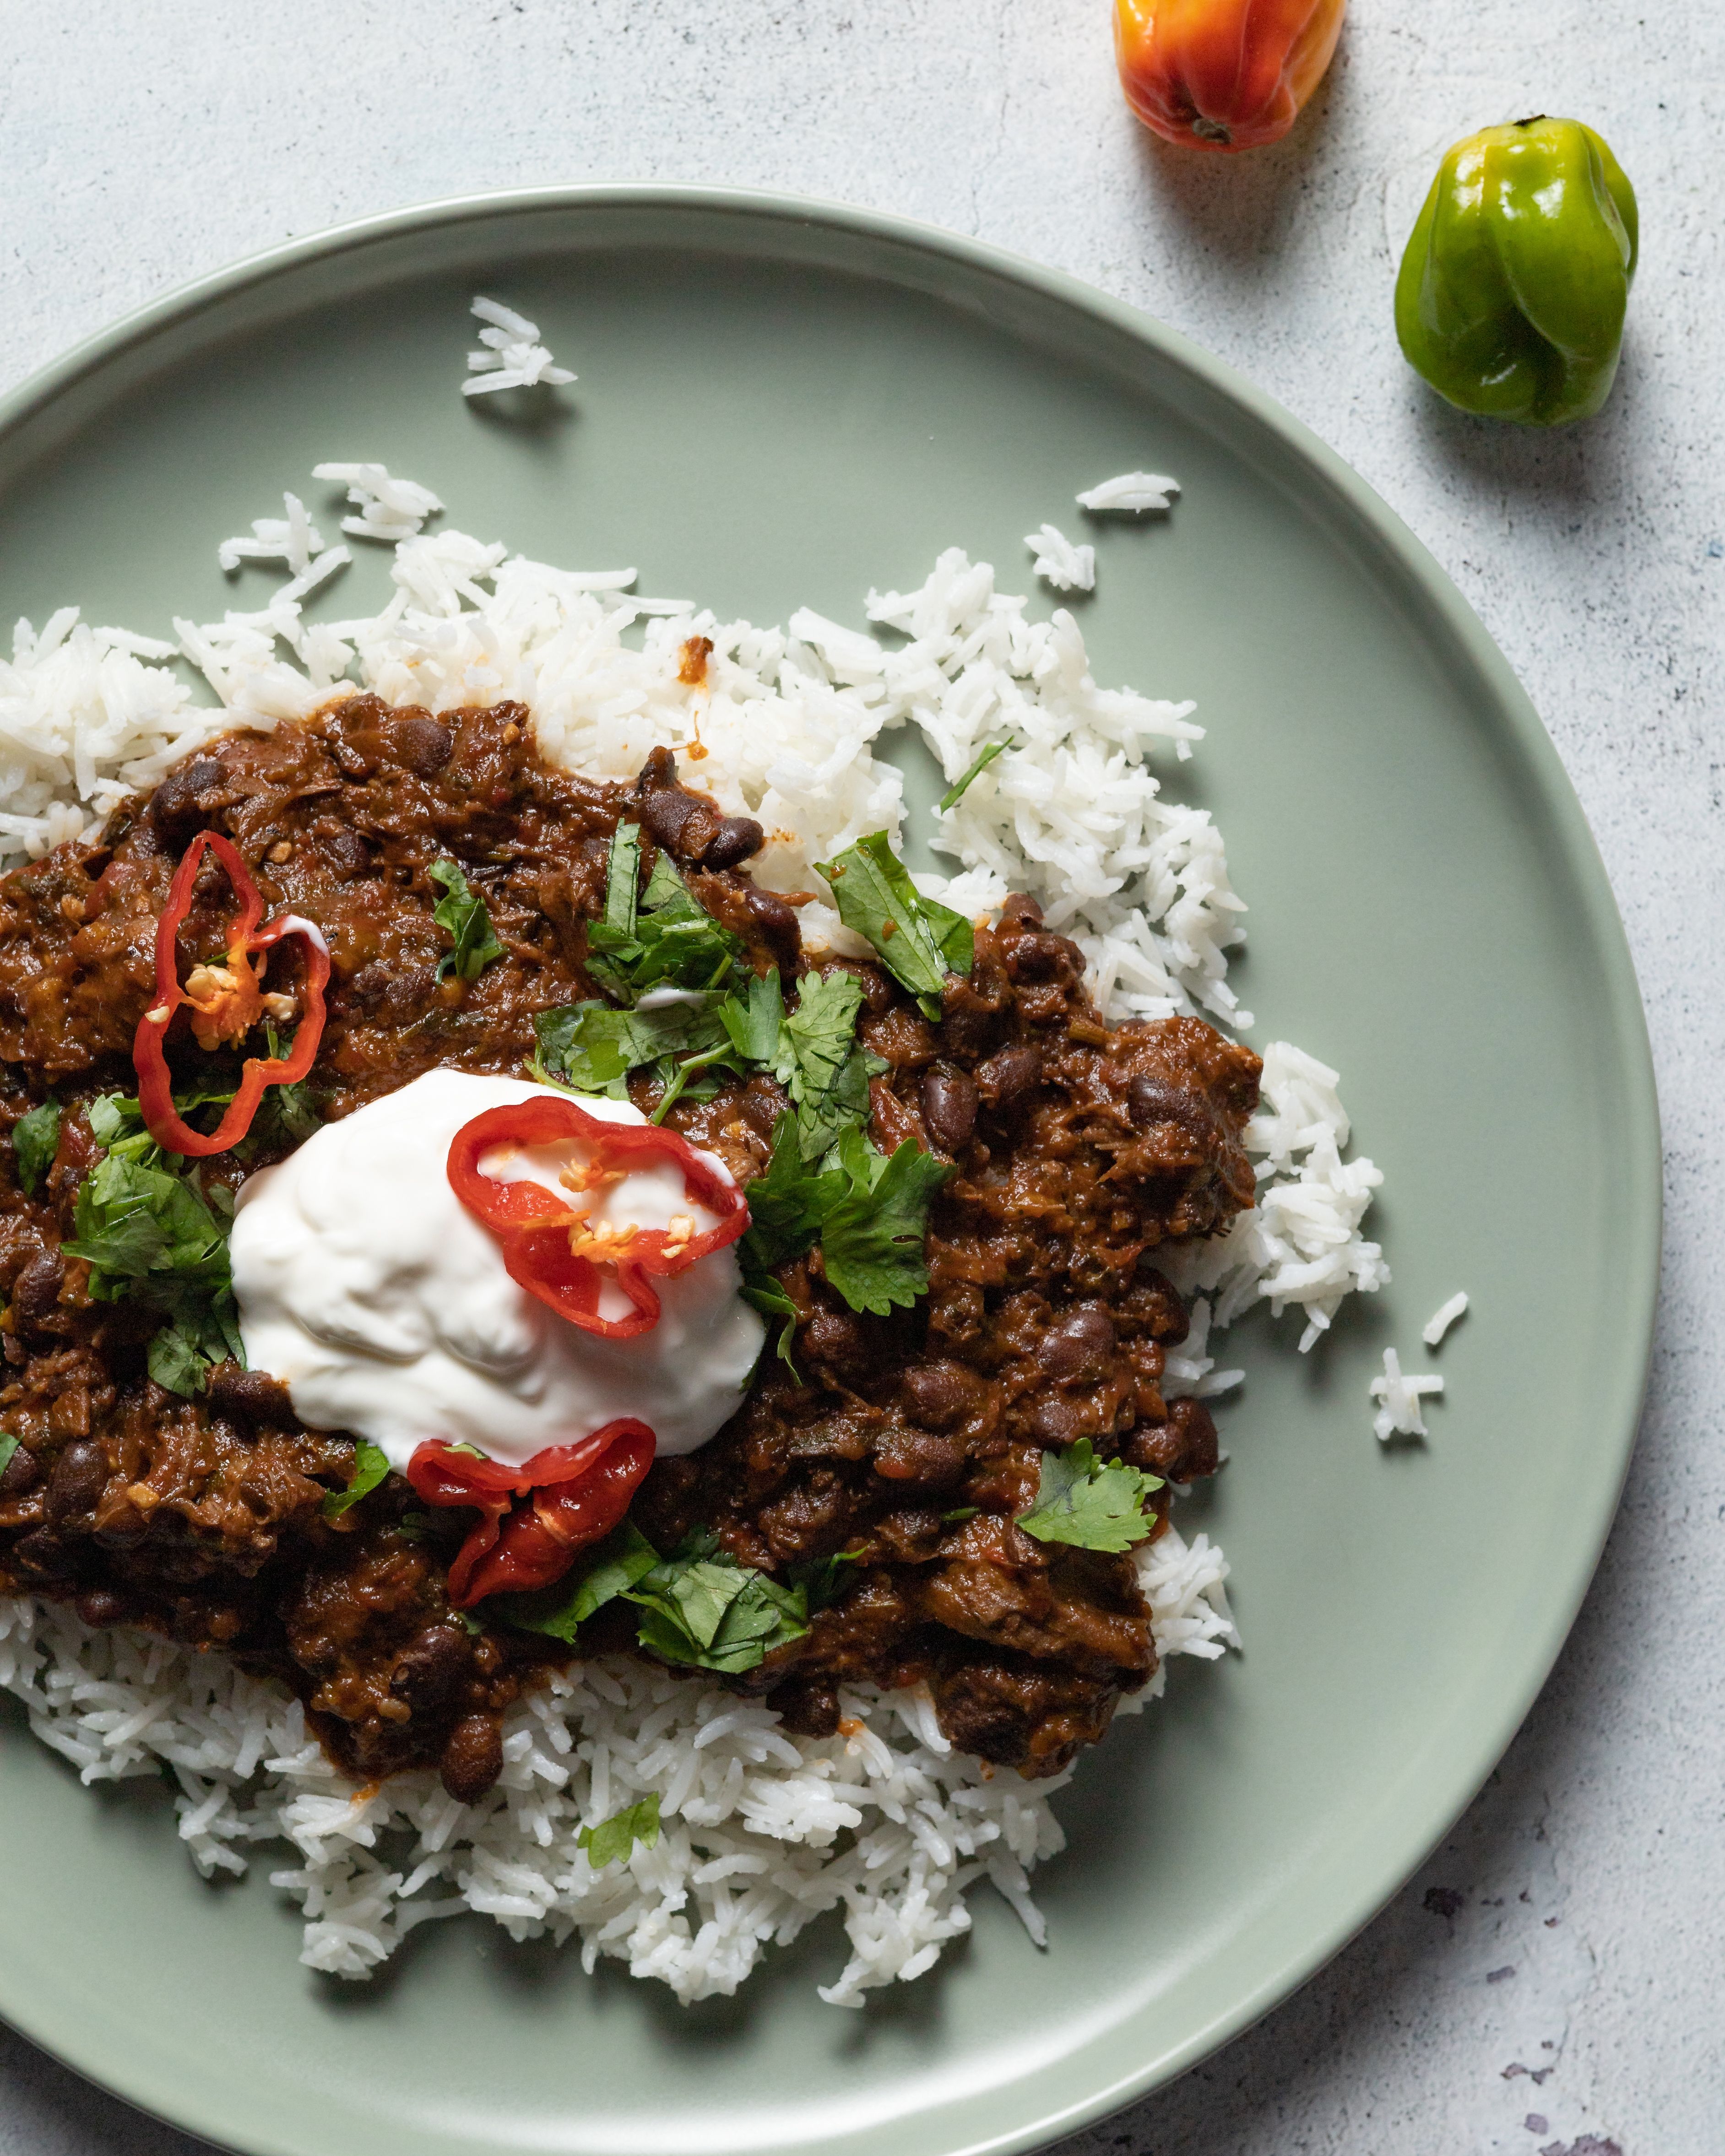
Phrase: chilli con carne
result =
(890, 1453)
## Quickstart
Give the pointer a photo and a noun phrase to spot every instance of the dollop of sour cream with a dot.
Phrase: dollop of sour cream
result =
(372, 1292)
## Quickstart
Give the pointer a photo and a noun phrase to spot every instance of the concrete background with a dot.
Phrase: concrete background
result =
(143, 145)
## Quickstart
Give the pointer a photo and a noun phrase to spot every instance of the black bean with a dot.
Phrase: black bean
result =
(1180, 1448)
(174, 807)
(1045, 958)
(1008, 1079)
(1151, 1101)
(1055, 1420)
(1021, 912)
(472, 1758)
(777, 924)
(80, 1475)
(1079, 1347)
(38, 1555)
(665, 814)
(424, 746)
(20, 1475)
(36, 1290)
(940, 1393)
(736, 839)
(837, 1342)
(807, 1706)
(949, 1105)
(251, 1395)
(100, 1605)
(431, 1670)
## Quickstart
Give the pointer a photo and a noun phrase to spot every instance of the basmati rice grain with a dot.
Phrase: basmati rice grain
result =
(1400, 1414)
(1132, 492)
(1068, 567)
(1439, 1323)
(511, 354)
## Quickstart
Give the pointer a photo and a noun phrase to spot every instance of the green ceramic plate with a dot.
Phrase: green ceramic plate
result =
(780, 403)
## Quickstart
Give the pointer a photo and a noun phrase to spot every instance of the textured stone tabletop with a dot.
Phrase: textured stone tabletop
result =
(144, 145)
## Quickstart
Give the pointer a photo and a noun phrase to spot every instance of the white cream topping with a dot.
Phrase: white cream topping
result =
(367, 1287)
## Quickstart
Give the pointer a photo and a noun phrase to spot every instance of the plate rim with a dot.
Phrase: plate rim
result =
(1393, 547)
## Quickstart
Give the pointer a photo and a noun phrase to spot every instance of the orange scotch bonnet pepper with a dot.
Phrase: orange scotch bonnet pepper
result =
(1223, 74)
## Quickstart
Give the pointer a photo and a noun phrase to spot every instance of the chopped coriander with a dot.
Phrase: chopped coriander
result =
(463, 914)
(959, 1514)
(704, 1610)
(177, 1361)
(823, 1578)
(788, 1204)
(8, 1445)
(156, 1238)
(871, 1243)
(754, 1022)
(955, 793)
(35, 1141)
(595, 1047)
(820, 1059)
(770, 1299)
(371, 1464)
(623, 879)
(667, 938)
(609, 1568)
(613, 1838)
(1090, 1503)
(919, 941)
(869, 1213)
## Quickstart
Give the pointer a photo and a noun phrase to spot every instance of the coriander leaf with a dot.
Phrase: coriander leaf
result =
(596, 1047)
(371, 1464)
(822, 1579)
(287, 1113)
(176, 1363)
(35, 1141)
(1090, 1503)
(955, 793)
(150, 1235)
(623, 878)
(919, 941)
(820, 1033)
(710, 1612)
(871, 1242)
(667, 894)
(613, 1838)
(754, 1025)
(462, 913)
(610, 1568)
(135, 1223)
(771, 1301)
(827, 1072)
(8, 1445)
(787, 1204)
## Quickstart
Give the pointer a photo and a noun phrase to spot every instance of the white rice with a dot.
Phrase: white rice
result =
(511, 355)
(762, 1831)
(1132, 494)
(1441, 1319)
(1058, 561)
(1398, 1394)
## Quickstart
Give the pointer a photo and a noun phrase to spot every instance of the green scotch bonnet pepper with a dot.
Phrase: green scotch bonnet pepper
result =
(1513, 292)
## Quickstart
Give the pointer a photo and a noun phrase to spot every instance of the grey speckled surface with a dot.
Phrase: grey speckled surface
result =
(142, 147)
